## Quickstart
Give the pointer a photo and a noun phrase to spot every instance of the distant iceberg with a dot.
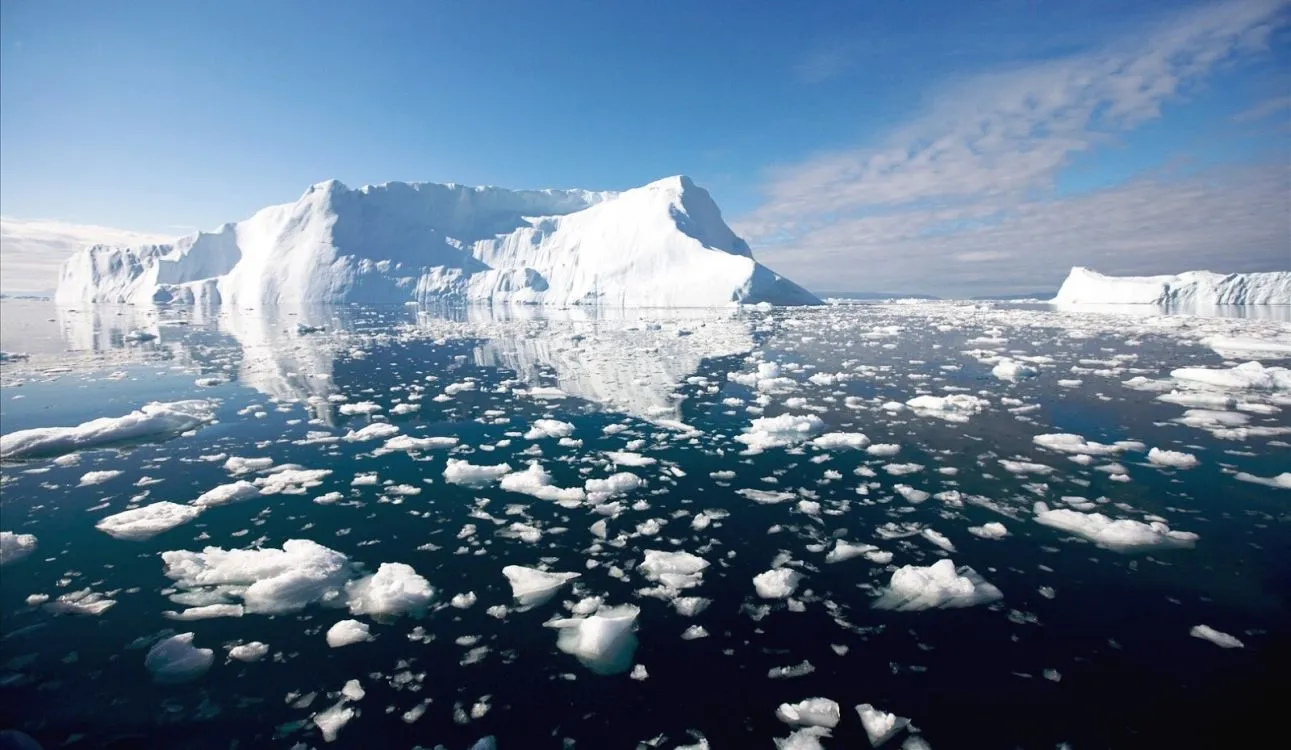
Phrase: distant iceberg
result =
(1084, 286)
(661, 245)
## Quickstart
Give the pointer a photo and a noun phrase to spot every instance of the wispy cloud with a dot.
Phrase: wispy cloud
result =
(32, 249)
(1264, 109)
(823, 64)
(972, 173)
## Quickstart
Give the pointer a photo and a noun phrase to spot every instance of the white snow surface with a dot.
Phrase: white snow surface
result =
(150, 421)
(148, 521)
(348, 632)
(1084, 286)
(268, 580)
(531, 586)
(604, 642)
(395, 589)
(661, 245)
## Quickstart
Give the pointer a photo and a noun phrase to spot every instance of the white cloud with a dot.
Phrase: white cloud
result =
(962, 192)
(32, 249)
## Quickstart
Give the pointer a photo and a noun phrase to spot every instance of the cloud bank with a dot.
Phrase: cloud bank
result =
(31, 250)
(962, 199)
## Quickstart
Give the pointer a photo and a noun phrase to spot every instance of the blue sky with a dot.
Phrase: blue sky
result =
(881, 138)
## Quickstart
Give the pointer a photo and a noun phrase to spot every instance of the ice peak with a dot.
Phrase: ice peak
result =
(327, 187)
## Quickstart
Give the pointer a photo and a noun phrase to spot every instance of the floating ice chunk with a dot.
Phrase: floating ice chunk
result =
(604, 642)
(912, 495)
(207, 612)
(898, 470)
(151, 421)
(395, 589)
(291, 481)
(766, 497)
(694, 632)
(175, 659)
(845, 550)
(880, 726)
(626, 458)
(1281, 481)
(464, 472)
(366, 408)
(549, 428)
(812, 712)
(463, 601)
(794, 670)
(353, 690)
(938, 585)
(883, 449)
(14, 547)
(374, 431)
(253, 651)
(807, 738)
(1174, 459)
(1248, 376)
(833, 440)
(227, 493)
(1012, 370)
(777, 583)
(1233, 347)
(1064, 442)
(938, 539)
(83, 602)
(957, 407)
(992, 530)
(268, 580)
(238, 465)
(675, 570)
(1025, 467)
(91, 478)
(146, 522)
(531, 586)
(537, 482)
(348, 632)
(409, 443)
(777, 432)
(333, 720)
(1223, 640)
(1121, 536)
(615, 484)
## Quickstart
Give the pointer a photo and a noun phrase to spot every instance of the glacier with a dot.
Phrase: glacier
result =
(1085, 286)
(661, 245)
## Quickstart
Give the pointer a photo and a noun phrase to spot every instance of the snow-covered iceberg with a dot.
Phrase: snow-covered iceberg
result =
(661, 245)
(1084, 286)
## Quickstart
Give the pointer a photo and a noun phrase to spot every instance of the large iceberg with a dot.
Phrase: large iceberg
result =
(661, 245)
(1084, 286)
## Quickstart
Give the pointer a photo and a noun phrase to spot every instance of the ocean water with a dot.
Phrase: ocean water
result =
(1085, 645)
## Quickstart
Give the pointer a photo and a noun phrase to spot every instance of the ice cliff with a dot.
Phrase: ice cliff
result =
(661, 245)
(1084, 286)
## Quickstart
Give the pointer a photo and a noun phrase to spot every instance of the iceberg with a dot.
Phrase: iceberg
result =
(661, 245)
(1084, 286)
(152, 421)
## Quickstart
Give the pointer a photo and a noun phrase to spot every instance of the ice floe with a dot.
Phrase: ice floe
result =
(395, 589)
(604, 642)
(1223, 640)
(175, 659)
(148, 521)
(14, 547)
(1124, 535)
(268, 580)
(531, 586)
(938, 585)
(152, 420)
(347, 633)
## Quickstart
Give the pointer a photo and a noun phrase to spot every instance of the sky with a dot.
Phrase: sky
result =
(934, 147)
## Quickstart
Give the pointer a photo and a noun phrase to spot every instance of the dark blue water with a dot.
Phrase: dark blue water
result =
(1116, 628)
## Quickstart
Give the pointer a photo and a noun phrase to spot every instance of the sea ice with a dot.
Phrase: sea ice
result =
(938, 585)
(777, 583)
(463, 472)
(1124, 535)
(675, 570)
(604, 642)
(1223, 640)
(880, 726)
(778, 432)
(227, 493)
(957, 407)
(395, 589)
(14, 547)
(531, 586)
(153, 420)
(253, 651)
(812, 712)
(148, 521)
(348, 632)
(1174, 459)
(268, 580)
(175, 659)
(549, 428)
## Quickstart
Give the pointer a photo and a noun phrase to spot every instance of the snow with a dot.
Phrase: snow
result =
(14, 547)
(152, 420)
(1223, 640)
(880, 726)
(409, 443)
(627, 458)
(778, 583)
(148, 521)
(834, 440)
(1247, 376)
(175, 659)
(938, 585)
(91, 478)
(781, 431)
(1124, 535)
(531, 586)
(1084, 286)
(1235, 347)
(268, 580)
(348, 632)
(536, 481)
(1065, 442)
(395, 589)
(661, 245)
(604, 642)
(957, 407)
(1012, 370)
(992, 530)
(1174, 459)
(1281, 481)
(207, 612)
(374, 431)
(812, 712)
(227, 493)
